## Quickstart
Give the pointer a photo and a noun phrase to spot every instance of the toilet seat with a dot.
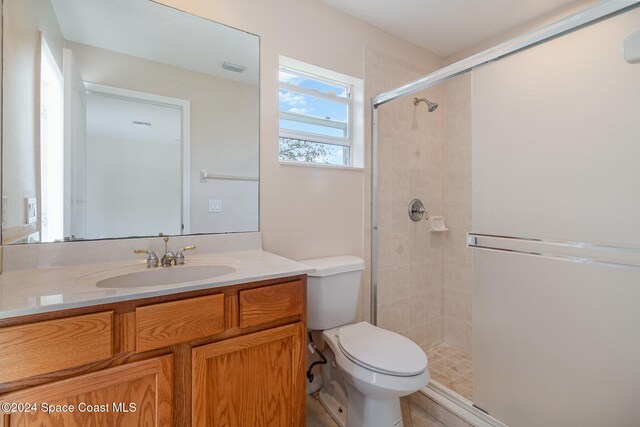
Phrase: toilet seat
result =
(381, 351)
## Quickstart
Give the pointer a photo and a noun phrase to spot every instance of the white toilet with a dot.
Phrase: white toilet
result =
(368, 368)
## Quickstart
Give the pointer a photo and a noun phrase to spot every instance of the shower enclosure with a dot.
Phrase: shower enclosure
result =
(527, 305)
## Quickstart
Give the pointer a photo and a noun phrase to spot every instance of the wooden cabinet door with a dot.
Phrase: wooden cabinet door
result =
(131, 395)
(252, 380)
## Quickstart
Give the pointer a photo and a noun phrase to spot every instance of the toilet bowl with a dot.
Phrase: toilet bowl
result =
(378, 367)
(368, 368)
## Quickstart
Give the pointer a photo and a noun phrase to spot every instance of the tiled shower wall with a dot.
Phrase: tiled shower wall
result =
(382, 72)
(422, 275)
(410, 274)
(457, 211)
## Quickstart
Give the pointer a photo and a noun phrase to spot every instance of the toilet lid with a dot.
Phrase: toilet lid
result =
(381, 350)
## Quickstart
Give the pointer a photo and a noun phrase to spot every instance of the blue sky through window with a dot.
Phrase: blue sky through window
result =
(315, 107)
(311, 106)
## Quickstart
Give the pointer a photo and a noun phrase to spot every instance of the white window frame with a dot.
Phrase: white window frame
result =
(354, 128)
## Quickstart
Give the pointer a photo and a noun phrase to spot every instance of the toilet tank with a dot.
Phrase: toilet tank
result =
(332, 291)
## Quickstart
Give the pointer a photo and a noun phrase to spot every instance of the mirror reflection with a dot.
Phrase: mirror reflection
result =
(126, 118)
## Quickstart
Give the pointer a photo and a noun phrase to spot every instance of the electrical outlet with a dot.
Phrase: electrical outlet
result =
(215, 206)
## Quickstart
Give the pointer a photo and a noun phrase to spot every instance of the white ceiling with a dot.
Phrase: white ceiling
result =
(446, 27)
(158, 33)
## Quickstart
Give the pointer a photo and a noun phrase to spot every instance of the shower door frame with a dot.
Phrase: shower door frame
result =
(572, 22)
(588, 16)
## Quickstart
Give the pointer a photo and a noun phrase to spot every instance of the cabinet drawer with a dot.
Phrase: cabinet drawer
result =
(162, 325)
(269, 303)
(55, 345)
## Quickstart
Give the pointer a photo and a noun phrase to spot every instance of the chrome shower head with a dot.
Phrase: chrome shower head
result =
(431, 105)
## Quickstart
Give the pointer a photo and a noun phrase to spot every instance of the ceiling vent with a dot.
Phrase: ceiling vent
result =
(230, 66)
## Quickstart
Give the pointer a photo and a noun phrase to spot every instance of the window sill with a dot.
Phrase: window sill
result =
(320, 165)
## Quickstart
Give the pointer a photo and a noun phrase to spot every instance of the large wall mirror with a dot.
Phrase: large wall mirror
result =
(126, 118)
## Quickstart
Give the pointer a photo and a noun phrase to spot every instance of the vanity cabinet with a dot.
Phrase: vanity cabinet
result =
(253, 380)
(162, 325)
(134, 394)
(270, 303)
(226, 356)
(42, 347)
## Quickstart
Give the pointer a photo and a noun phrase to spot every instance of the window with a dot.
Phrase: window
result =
(316, 109)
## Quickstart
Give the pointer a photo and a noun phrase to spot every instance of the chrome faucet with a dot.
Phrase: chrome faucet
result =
(169, 257)
(152, 260)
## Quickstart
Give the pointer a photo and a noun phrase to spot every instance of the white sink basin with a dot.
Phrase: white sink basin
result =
(165, 276)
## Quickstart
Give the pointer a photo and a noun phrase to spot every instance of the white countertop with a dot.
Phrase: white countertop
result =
(31, 291)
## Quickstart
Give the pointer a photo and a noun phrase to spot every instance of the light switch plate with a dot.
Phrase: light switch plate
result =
(631, 48)
(5, 207)
(30, 210)
(215, 206)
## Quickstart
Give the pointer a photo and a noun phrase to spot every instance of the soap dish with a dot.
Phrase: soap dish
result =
(436, 223)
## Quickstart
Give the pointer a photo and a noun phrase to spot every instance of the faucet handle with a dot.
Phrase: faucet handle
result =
(152, 260)
(179, 259)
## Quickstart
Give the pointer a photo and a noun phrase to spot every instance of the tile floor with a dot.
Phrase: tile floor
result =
(413, 414)
(452, 368)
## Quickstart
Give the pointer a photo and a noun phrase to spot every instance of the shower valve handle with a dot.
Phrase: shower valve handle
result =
(417, 210)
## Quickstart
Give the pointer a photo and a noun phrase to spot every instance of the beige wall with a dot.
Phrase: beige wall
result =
(306, 212)
(21, 68)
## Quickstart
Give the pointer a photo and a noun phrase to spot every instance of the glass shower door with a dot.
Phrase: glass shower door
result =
(556, 248)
